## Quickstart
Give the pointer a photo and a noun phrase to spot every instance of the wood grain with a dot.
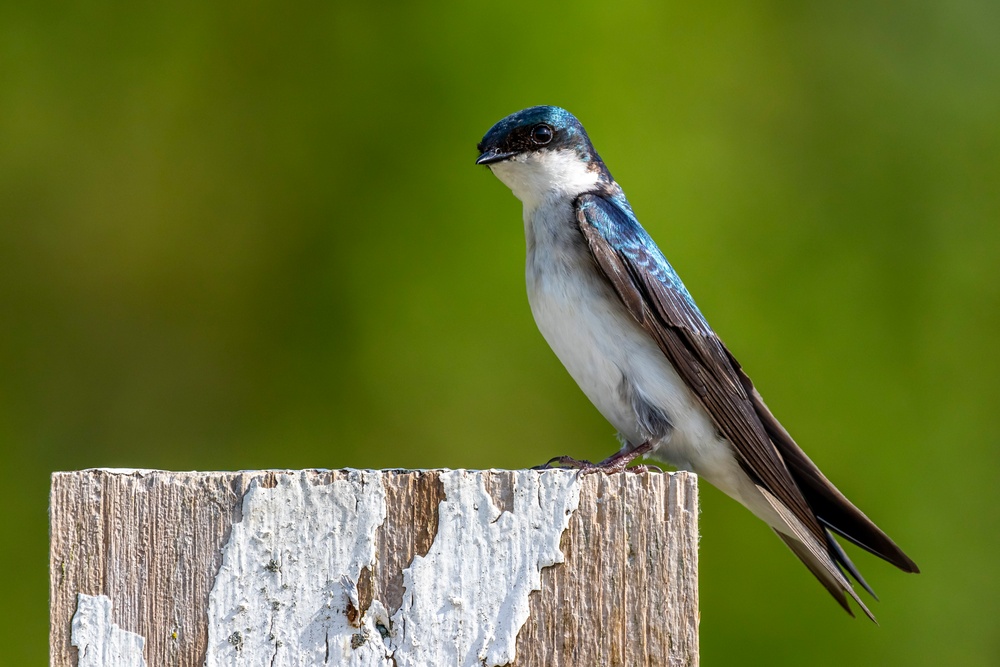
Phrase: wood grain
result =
(152, 542)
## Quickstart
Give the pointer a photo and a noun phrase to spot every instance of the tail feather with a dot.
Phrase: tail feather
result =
(845, 563)
(830, 506)
(824, 565)
(836, 586)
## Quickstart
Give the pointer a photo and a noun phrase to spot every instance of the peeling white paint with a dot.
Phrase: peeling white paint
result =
(466, 600)
(290, 570)
(281, 596)
(99, 641)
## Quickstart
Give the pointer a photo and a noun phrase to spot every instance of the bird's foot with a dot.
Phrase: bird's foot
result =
(565, 463)
(617, 462)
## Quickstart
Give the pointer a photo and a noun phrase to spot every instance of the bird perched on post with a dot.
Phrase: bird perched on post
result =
(621, 321)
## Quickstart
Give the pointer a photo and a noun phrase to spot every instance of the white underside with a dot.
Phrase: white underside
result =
(600, 343)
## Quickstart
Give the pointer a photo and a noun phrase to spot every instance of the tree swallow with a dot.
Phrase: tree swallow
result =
(621, 321)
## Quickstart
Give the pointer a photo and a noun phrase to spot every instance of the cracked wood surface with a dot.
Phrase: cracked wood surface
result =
(152, 542)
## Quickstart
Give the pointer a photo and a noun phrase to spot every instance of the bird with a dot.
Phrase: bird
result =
(627, 330)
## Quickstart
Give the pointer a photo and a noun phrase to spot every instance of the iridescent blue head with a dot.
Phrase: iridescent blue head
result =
(541, 153)
(535, 129)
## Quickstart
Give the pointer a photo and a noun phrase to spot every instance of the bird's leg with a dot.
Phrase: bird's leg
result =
(615, 463)
(620, 459)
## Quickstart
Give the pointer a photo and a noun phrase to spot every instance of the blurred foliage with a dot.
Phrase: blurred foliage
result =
(243, 235)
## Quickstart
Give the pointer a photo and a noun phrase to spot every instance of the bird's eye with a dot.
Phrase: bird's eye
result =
(541, 134)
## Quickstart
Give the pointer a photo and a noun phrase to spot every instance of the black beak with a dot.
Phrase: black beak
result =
(493, 155)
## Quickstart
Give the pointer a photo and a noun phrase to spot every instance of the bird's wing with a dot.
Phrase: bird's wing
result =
(830, 506)
(656, 297)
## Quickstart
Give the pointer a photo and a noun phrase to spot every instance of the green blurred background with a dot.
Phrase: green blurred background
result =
(251, 235)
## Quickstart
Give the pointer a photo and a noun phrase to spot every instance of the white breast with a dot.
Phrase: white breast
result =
(595, 337)
(581, 318)
(602, 346)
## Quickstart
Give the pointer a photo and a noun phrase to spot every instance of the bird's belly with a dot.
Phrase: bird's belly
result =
(608, 354)
(583, 331)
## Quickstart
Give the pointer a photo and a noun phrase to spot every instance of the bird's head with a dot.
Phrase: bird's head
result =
(541, 152)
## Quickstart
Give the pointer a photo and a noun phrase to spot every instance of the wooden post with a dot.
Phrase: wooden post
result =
(406, 568)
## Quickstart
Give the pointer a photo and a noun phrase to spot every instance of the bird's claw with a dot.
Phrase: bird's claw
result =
(565, 463)
(617, 462)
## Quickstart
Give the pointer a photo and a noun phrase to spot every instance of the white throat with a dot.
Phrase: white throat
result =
(541, 175)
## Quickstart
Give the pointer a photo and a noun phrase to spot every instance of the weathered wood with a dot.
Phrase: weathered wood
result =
(274, 567)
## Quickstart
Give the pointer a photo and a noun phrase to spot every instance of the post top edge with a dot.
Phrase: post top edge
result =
(142, 472)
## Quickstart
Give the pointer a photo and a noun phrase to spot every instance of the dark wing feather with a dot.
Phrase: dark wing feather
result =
(657, 299)
(831, 507)
(655, 296)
